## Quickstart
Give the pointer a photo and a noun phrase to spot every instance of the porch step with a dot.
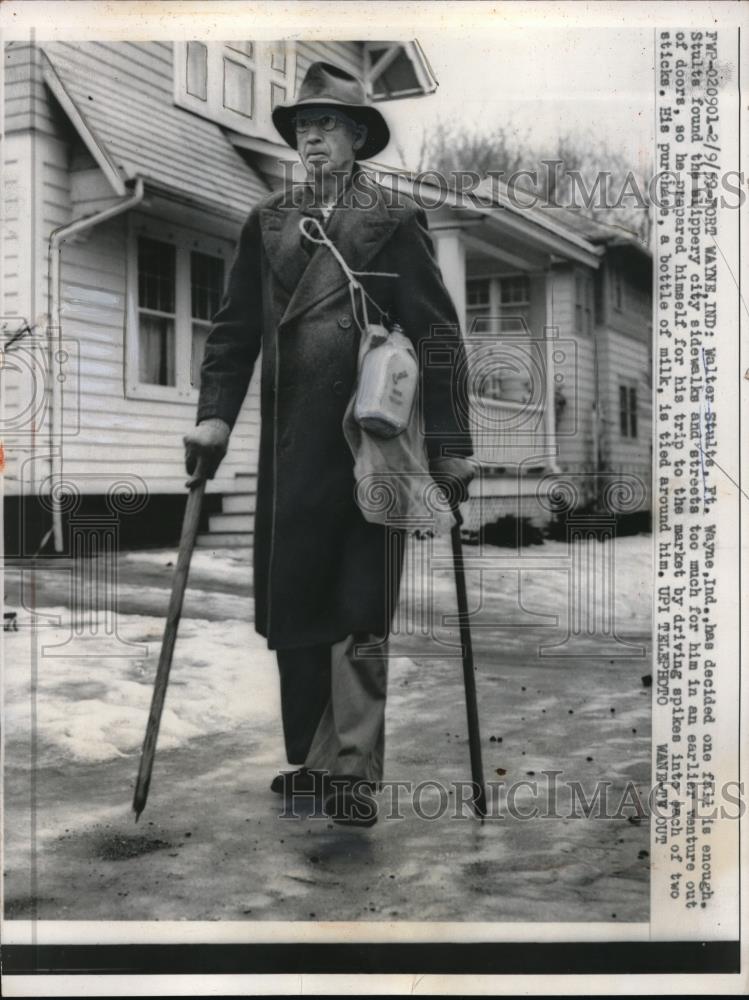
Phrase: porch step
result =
(234, 525)
(225, 540)
(246, 482)
(499, 484)
(238, 503)
(231, 522)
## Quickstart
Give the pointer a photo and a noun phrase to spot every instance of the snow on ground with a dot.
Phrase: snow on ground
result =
(627, 560)
(94, 707)
(546, 586)
(213, 844)
(226, 565)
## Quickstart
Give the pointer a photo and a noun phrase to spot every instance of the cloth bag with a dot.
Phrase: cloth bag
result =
(393, 483)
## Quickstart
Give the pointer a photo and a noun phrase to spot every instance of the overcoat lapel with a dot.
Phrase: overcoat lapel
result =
(359, 227)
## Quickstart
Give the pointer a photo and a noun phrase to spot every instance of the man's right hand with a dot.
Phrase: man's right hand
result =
(205, 447)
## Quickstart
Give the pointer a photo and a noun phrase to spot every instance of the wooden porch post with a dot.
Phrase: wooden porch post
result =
(451, 256)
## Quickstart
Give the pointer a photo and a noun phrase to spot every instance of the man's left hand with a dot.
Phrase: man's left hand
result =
(454, 475)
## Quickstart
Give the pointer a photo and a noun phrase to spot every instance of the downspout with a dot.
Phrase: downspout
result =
(58, 237)
(597, 417)
(550, 331)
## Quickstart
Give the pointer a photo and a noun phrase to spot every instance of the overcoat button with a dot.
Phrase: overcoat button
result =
(344, 322)
(338, 388)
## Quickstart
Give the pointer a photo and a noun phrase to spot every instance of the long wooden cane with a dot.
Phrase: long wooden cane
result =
(469, 678)
(179, 583)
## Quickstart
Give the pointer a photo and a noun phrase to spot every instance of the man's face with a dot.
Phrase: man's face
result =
(327, 140)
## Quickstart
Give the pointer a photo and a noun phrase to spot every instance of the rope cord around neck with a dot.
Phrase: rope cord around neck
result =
(354, 285)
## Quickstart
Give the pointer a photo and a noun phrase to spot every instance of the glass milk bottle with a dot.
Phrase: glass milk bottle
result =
(387, 384)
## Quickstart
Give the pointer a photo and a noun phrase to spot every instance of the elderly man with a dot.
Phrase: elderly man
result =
(326, 580)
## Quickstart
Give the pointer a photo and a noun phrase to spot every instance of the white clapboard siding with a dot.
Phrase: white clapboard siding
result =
(11, 236)
(575, 431)
(50, 180)
(53, 205)
(107, 434)
(22, 376)
(120, 434)
(148, 135)
(27, 102)
(628, 361)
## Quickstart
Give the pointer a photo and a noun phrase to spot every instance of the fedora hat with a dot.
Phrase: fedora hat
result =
(327, 84)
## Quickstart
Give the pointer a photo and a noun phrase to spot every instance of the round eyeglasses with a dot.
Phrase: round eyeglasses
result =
(303, 123)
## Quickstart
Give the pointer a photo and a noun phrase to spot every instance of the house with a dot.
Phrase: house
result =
(556, 310)
(128, 170)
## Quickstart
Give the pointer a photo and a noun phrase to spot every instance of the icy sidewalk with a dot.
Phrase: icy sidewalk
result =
(210, 844)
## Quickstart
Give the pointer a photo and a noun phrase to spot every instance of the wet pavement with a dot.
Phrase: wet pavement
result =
(213, 844)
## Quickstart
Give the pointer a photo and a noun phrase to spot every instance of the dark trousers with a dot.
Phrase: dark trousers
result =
(333, 705)
(305, 690)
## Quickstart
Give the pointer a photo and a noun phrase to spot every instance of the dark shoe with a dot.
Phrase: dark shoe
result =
(350, 800)
(299, 782)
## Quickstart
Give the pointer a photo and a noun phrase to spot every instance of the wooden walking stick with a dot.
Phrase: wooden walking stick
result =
(469, 678)
(179, 582)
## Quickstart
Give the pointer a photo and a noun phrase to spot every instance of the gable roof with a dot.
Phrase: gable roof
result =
(598, 231)
(397, 69)
(580, 232)
(123, 95)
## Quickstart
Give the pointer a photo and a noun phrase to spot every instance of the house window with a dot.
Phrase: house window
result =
(278, 57)
(498, 304)
(498, 307)
(196, 70)
(239, 84)
(514, 291)
(235, 84)
(245, 48)
(477, 292)
(156, 312)
(175, 289)
(513, 299)
(628, 411)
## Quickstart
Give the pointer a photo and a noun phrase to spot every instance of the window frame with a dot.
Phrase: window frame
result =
(495, 309)
(523, 303)
(258, 123)
(475, 282)
(630, 412)
(185, 242)
(158, 313)
(617, 288)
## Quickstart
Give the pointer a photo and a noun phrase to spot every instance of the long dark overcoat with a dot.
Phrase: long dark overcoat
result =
(320, 570)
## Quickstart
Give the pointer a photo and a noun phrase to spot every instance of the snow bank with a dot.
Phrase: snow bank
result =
(94, 707)
(545, 583)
